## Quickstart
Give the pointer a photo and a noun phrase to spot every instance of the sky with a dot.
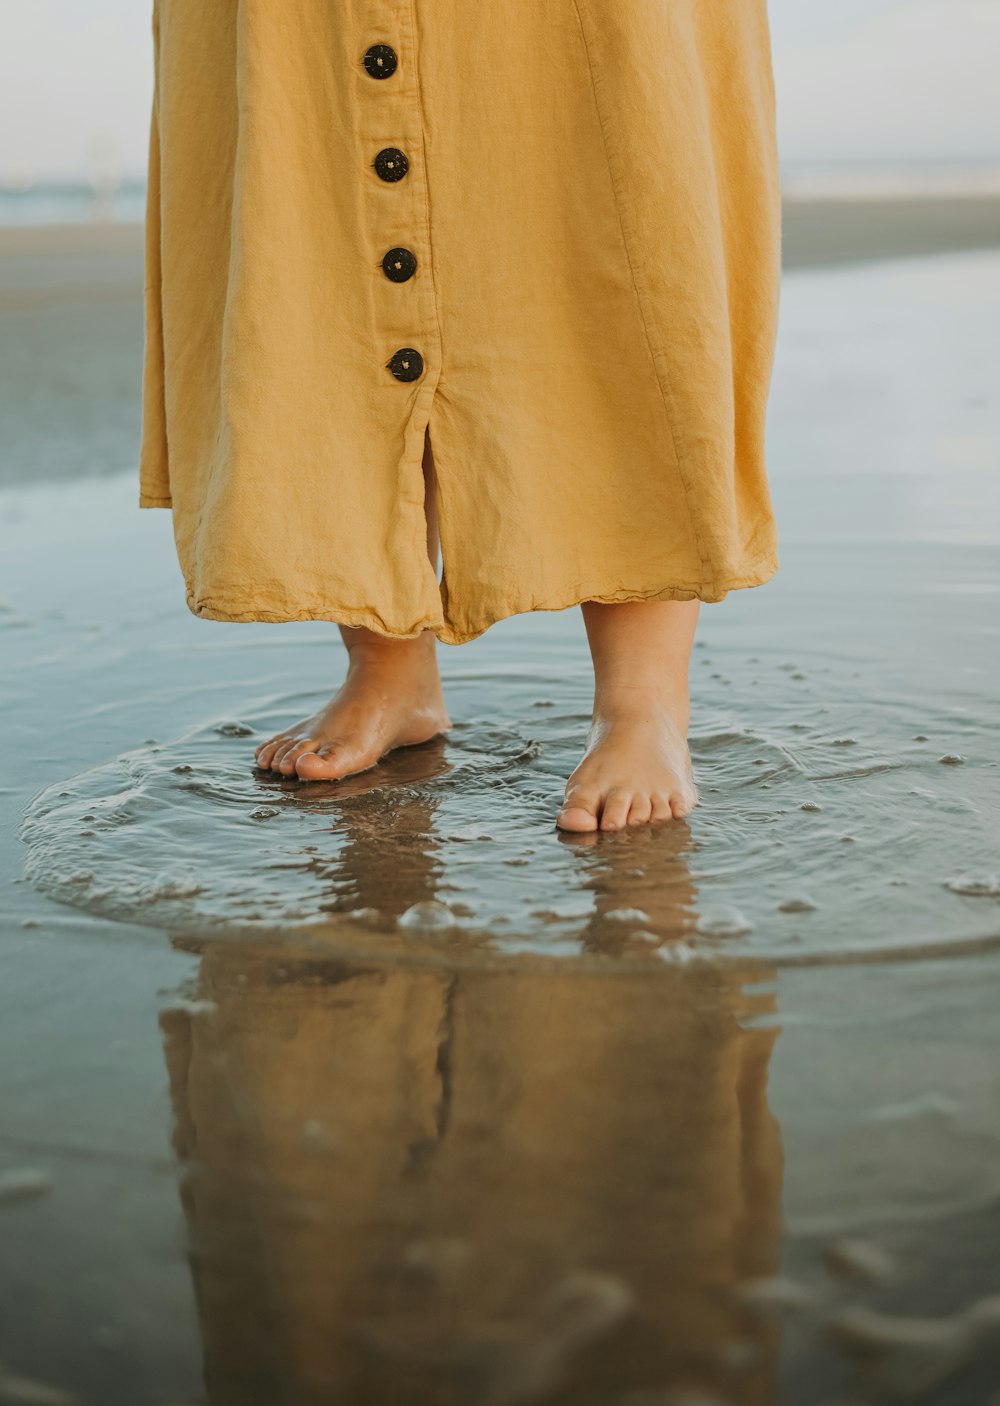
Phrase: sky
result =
(882, 79)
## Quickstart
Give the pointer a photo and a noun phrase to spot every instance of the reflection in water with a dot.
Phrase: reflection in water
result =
(479, 1186)
(385, 857)
(420, 1186)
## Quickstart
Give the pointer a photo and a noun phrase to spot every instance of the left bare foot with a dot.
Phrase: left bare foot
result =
(636, 768)
(390, 698)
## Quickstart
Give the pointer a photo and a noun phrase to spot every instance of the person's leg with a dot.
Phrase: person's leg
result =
(390, 698)
(637, 766)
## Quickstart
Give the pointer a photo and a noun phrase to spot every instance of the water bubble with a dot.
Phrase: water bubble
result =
(845, 742)
(428, 916)
(675, 954)
(859, 1259)
(919, 737)
(722, 920)
(810, 805)
(172, 884)
(184, 1006)
(913, 1356)
(22, 1183)
(975, 885)
(264, 813)
(627, 915)
(234, 730)
(800, 903)
(952, 759)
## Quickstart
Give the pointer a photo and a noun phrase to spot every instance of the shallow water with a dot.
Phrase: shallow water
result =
(812, 841)
(385, 1091)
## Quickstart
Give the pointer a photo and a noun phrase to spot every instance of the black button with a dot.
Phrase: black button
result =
(391, 163)
(381, 60)
(406, 364)
(399, 264)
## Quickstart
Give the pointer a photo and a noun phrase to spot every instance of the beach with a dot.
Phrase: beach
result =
(384, 1090)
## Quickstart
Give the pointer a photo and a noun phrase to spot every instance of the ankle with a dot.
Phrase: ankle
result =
(637, 699)
(365, 648)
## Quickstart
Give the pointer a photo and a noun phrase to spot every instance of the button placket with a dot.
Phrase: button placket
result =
(391, 164)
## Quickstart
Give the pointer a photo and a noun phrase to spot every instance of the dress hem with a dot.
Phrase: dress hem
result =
(709, 593)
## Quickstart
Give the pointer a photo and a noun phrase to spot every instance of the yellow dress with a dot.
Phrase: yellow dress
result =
(542, 237)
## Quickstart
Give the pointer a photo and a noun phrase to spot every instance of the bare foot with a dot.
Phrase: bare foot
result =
(391, 698)
(636, 768)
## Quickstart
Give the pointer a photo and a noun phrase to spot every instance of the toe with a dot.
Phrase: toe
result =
(330, 762)
(640, 811)
(577, 819)
(265, 752)
(280, 762)
(614, 813)
(680, 803)
(660, 807)
(579, 810)
(298, 748)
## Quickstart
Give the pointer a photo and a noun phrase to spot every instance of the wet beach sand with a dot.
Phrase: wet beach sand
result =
(384, 1091)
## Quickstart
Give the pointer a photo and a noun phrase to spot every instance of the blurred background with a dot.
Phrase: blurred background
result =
(876, 97)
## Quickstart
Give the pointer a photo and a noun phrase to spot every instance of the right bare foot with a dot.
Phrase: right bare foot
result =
(391, 698)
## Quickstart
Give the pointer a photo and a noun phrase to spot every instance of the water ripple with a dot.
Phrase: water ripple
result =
(791, 856)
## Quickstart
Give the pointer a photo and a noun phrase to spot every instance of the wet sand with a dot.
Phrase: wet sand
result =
(837, 231)
(388, 1092)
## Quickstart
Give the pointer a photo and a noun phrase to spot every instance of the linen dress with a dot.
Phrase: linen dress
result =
(544, 237)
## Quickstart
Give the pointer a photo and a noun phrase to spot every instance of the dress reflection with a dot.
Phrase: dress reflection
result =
(476, 1184)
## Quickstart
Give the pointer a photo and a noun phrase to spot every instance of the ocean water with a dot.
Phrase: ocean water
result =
(72, 202)
(384, 1090)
